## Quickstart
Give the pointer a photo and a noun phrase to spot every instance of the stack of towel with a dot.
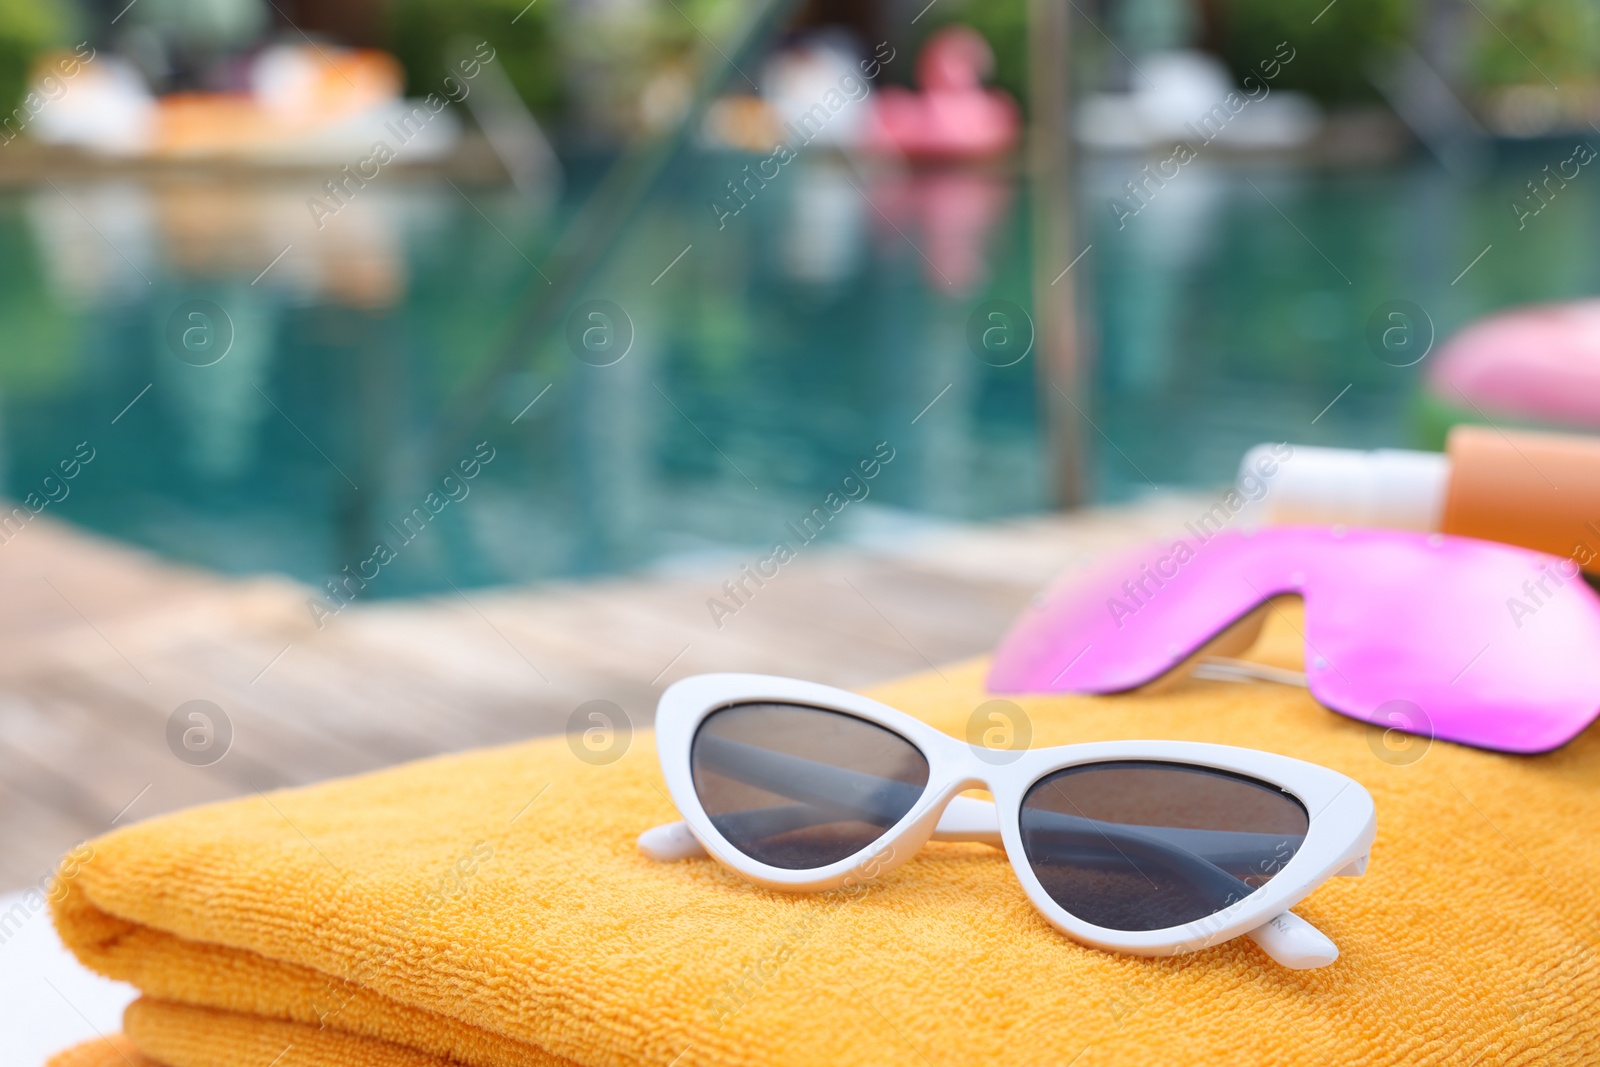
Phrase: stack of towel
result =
(490, 909)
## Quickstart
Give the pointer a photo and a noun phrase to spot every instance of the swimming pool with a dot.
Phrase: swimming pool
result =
(735, 374)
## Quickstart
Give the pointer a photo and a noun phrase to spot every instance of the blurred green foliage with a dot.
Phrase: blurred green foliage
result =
(27, 27)
(584, 59)
(622, 62)
(556, 50)
(42, 334)
(1555, 39)
(1332, 56)
(527, 48)
(1514, 42)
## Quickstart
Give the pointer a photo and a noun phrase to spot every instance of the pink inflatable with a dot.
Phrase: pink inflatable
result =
(1540, 363)
(954, 116)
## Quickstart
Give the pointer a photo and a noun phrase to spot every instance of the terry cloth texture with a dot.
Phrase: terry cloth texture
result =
(117, 1049)
(490, 909)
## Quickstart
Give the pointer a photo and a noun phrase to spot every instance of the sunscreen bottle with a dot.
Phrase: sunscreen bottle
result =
(1538, 490)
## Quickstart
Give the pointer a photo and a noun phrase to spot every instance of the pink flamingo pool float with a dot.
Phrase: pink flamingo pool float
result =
(953, 116)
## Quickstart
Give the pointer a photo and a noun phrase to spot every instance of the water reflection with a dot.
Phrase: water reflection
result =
(769, 354)
(219, 414)
(110, 242)
(826, 225)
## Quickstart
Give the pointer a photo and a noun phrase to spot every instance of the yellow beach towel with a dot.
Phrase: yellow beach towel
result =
(490, 909)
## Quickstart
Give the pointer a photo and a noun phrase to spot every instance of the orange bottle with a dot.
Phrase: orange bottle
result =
(1541, 490)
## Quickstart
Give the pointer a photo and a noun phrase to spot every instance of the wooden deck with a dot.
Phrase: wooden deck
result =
(100, 644)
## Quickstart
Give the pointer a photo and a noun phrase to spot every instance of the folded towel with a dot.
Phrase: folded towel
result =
(490, 909)
(180, 1034)
(118, 1050)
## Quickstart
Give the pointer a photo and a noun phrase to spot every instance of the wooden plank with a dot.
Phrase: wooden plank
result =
(95, 659)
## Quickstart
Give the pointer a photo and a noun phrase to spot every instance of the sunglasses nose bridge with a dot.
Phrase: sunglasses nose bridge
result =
(971, 770)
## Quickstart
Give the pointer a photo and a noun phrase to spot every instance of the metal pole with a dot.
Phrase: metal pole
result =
(1060, 358)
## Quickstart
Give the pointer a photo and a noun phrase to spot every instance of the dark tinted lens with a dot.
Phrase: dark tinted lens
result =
(800, 787)
(1137, 845)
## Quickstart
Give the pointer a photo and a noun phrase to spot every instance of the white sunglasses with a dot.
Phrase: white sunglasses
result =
(1146, 847)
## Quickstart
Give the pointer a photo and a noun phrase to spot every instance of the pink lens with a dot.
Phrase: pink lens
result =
(1498, 646)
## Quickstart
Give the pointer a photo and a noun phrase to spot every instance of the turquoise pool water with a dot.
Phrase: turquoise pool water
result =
(824, 326)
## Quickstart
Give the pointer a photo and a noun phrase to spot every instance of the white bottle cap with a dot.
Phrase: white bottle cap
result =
(1389, 487)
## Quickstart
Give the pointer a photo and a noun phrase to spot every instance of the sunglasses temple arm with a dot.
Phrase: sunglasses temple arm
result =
(670, 843)
(965, 819)
(969, 819)
(1224, 669)
(1294, 943)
